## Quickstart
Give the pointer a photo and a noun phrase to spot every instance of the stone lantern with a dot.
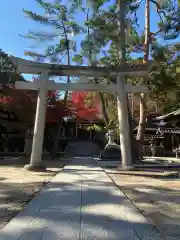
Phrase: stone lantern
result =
(111, 151)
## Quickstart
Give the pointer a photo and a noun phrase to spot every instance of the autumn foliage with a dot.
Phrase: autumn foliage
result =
(23, 104)
(85, 108)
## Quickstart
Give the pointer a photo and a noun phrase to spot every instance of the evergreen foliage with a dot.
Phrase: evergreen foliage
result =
(99, 43)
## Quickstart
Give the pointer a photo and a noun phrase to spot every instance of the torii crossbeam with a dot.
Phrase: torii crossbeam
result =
(44, 84)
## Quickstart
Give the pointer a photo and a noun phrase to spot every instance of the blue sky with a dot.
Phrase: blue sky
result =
(13, 22)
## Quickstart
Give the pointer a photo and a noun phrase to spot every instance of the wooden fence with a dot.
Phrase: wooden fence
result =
(155, 151)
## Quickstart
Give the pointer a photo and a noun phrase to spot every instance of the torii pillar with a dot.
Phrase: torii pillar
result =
(124, 129)
(37, 146)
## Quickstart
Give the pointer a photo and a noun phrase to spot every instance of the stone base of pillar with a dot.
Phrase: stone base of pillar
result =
(111, 153)
(38, 168)
(126, 168)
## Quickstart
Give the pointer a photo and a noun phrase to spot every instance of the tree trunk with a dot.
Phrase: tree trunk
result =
(59, 127)
(28, 142)
(28, 145)
(133, 142)
(142, 124)
(122, 53)
(103, 108)
(142, 119)
(90, 63)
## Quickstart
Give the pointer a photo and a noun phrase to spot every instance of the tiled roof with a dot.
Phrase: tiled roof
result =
(168, 131)
(169, 115)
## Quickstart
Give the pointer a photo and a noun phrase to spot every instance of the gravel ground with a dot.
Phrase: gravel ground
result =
(156, 195)
(18, 187)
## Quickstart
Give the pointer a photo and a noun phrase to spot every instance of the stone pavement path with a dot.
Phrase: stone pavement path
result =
(80, 203)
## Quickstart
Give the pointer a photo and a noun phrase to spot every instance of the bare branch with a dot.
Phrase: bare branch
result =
(152, 34)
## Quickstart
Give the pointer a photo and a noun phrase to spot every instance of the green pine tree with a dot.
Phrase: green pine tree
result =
(60, 25)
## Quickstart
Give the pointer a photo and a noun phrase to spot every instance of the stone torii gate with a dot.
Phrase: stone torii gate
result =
(44, 84)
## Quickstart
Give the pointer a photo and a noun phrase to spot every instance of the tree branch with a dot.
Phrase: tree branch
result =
(155, 33)
(160, 11)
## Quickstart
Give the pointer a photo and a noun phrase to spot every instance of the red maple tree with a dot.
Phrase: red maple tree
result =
(23, 104)
(83, 109)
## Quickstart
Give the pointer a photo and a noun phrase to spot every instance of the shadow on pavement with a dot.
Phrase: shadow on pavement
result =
(77, 209)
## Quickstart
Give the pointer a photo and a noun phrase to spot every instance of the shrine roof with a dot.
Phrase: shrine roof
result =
(169, 116)
(160, 131)
(168, 131)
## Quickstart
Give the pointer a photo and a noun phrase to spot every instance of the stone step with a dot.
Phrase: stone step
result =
(82, 148)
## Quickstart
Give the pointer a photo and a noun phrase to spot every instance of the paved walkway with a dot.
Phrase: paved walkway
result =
(80, 203)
